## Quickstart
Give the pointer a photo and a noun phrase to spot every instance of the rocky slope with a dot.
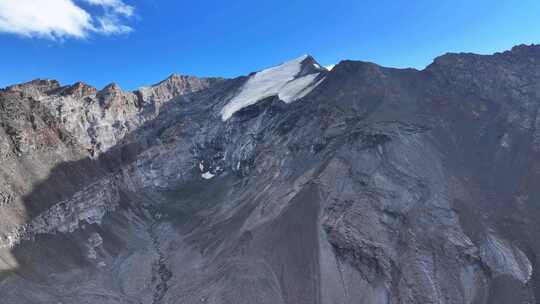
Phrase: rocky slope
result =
(294, 184)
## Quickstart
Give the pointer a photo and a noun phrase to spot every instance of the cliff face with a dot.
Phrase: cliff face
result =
(362, 184)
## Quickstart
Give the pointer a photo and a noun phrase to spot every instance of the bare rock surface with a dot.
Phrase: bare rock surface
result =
(362, 184)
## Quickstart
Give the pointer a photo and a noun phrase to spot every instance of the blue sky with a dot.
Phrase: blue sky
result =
(141, 42)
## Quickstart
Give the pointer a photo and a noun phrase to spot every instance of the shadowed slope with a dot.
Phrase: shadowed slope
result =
(379, 186)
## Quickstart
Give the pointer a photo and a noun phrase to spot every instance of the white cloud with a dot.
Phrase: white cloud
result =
(109, 24)
(52, 18)
(117, 6)
(57, 19)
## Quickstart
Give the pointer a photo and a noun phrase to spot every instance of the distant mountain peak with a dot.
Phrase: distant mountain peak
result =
(34, 87)
(289, 81)
(79, 89)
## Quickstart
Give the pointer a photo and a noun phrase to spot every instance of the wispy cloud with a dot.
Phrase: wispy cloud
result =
(110, 25)
(58, 19)
(117, 6)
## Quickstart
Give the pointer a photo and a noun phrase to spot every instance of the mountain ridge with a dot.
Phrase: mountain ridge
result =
(526, 49)
(379, 185)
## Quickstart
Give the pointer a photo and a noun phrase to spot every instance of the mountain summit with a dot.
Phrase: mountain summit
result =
(295, 184)
(289, 81)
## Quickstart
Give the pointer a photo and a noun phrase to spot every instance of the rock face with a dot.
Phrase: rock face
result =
(362, 184)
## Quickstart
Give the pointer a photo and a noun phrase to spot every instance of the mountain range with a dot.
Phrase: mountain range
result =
(296, 184)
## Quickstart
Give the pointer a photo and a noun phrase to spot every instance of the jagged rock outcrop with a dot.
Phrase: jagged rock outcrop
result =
(295, 184)
(99, 119)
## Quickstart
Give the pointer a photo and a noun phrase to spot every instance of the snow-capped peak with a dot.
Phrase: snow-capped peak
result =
(289, 81)
(330, 67)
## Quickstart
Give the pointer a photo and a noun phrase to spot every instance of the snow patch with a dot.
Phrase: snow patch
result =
(207, 175)
(330, 67)
(279, 80)
(297, 88)
(505, 141)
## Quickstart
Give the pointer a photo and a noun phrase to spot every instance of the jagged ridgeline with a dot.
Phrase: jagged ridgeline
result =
(292, 185)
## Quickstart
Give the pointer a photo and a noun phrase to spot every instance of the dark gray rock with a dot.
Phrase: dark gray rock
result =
(377, 185)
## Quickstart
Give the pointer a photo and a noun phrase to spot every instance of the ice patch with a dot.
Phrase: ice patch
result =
(279, 80)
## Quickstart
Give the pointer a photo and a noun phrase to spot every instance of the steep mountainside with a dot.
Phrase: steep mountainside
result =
(292, 185)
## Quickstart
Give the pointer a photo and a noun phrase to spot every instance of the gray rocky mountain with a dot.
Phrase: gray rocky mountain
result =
(295, 184)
